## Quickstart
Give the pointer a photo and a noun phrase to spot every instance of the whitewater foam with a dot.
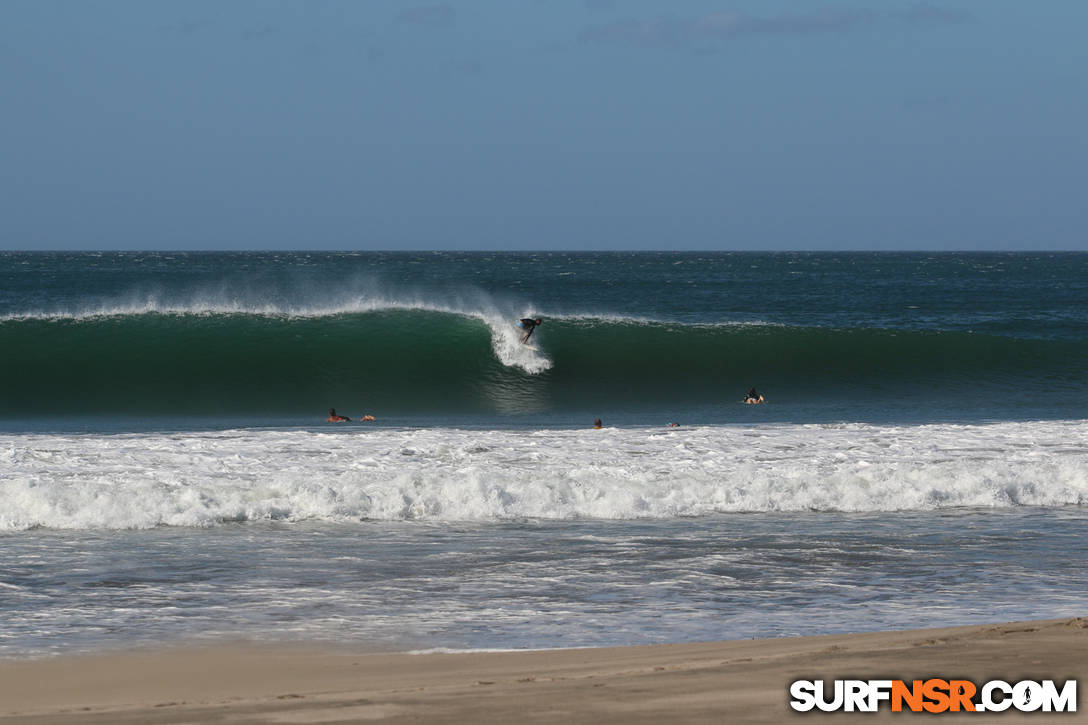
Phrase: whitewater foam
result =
(206, 479)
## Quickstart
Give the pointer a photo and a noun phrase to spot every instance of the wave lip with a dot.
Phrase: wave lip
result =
(480, 307)
(209, 479)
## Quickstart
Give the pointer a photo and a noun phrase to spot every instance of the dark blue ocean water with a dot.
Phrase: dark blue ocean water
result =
(166, 472)
(194, 339)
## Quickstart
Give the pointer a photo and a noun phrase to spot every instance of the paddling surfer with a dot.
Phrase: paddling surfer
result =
(753, 397)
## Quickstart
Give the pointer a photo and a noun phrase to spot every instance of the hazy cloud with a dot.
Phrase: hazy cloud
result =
(186, 27)
(678, 32)
(928, 13)
(260, 31)
(736, 23)
(718, 26)
(599, 5)
(465, 66)
(434, 16)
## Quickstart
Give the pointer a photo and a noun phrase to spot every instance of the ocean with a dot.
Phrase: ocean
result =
(167, 474)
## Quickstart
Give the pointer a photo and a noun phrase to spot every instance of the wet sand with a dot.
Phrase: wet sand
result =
(715, 682)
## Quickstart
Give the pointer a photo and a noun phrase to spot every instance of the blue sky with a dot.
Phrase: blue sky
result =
(543, 124)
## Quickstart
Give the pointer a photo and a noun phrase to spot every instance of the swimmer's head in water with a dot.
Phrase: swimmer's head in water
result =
(539, 321)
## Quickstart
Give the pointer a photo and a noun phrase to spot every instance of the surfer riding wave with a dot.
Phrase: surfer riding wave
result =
(528, 324)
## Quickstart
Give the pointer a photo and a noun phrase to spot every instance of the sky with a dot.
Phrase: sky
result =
(544, 124)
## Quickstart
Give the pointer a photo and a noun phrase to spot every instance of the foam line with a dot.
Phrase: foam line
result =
(207, 479)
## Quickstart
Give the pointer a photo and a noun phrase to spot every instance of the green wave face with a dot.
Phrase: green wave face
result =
(197, 364)
(412, 361)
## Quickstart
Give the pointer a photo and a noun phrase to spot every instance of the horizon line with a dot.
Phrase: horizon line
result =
(251, 250)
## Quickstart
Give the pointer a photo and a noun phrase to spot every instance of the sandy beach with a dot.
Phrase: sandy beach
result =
(736, 681)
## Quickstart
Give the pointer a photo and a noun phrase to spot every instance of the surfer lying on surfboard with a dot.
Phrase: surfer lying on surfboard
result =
(529, 324)
(753, 398)
(334, 418)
